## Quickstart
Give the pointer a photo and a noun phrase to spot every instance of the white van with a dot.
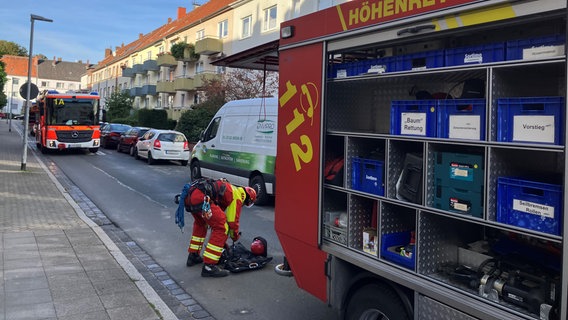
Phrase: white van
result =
(239, 144)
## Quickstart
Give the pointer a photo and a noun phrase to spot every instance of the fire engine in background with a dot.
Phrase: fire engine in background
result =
(68, 121)
(449, 118)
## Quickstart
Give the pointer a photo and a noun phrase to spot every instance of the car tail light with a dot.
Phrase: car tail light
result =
(157, 144)
(185, 145)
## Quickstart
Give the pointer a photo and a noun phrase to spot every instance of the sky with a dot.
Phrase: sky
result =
(80, 31)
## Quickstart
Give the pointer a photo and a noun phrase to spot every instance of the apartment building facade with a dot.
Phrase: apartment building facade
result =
(224, 34)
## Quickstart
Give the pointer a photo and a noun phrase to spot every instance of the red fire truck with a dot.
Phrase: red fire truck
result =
(68, 121)
(449, 119)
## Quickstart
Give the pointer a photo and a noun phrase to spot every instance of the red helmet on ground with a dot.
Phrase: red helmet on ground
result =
(258, 246)
(250, 197)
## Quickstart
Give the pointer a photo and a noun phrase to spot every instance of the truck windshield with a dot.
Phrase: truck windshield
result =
(71, 111)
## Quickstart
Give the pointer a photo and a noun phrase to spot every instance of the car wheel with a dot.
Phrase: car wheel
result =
(118, 147)
(136, 155)
(151, 160)
(184, 163)
(132, 150)
(257, 183)
(195, 170)
(376, 301)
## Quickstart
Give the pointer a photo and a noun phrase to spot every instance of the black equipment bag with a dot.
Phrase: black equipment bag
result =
(237, 258)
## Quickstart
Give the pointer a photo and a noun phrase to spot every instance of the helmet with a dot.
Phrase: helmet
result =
(250, 197)
(259, 246)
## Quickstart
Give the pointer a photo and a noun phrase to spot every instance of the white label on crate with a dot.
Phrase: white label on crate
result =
(543, 52)
(342, 73)
(533, 128)
(533, 208)
(465, 127)
(473, 58)
(413, 123)
(377, 69)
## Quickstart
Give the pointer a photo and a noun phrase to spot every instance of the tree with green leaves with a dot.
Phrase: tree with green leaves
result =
(12, 48)
(3, 78)
(118, 105)
(192, 122)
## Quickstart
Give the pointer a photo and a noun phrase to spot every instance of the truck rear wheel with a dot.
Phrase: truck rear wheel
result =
(375, 301)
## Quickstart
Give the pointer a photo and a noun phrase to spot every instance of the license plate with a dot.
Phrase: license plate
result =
(172, 152)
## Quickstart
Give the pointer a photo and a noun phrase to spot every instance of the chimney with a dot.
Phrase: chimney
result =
(181, 12)
(140, 35)
(169, 20)
(108, 52)
(54, 62)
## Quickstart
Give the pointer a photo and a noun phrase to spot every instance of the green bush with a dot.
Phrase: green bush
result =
(193, 122)
(157, 119)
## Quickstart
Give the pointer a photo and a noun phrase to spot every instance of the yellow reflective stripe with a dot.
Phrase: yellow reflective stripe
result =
(197, 239)
(211, 256)
(195, 246)
(215, 248)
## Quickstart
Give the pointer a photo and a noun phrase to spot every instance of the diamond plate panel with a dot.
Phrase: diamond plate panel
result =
(429, 309)
(396, 218)
(360, 213)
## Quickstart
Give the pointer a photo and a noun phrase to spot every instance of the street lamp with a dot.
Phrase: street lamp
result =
(33, 17)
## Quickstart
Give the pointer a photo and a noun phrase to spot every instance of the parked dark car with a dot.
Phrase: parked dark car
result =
(127, 141)
(110, 134)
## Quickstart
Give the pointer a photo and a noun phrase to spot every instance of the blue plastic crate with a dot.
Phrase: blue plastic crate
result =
(530, 205)
(414, 117)
(367, 175)
(390, 242)
(420, 60)
(486, 53)
(515, 47)
(350, 69)
(533, 120)
(461, 119)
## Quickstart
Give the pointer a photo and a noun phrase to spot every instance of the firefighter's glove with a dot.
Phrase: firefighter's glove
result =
(234, 231)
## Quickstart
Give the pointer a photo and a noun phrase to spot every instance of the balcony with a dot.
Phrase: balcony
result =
(166, 60)
(150, 65)
(136, 91)
(128, 72)
(200, 79)
(149, 89)
(208, 46)
(166, 87)
(184, 84)
(138, 68)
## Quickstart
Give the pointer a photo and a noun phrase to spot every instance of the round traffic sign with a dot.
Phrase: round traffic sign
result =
(34, 91)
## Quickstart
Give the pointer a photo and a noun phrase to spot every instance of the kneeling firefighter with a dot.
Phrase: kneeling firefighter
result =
(217, 204)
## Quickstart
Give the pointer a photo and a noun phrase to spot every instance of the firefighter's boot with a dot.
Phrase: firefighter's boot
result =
(213, 270)
(193, 259)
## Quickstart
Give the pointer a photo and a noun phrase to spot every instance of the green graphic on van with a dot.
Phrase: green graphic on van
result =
(265, 126)
(240, 160)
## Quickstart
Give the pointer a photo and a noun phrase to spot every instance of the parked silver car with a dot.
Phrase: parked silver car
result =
(163, 145)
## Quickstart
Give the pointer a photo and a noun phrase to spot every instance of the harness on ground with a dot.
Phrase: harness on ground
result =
(237, 258)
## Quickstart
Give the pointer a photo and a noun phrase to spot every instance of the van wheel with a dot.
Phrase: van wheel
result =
(132, 151)
(93, 150)
(375, 301)
(195, 170)
(257, 183)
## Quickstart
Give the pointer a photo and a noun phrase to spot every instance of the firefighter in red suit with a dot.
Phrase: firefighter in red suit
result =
(222, 218)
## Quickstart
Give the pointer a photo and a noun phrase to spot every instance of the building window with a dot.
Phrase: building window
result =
(246, 27)
(223, 29)
(161, 49)
(269, 21)
(149, 55)
(44, 84)
(200, 34)
(15, 81)
(59, 85)
(199, 67)
(182, 99)
(220, 69)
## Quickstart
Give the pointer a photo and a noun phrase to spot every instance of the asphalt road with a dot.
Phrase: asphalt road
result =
(138, 198)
